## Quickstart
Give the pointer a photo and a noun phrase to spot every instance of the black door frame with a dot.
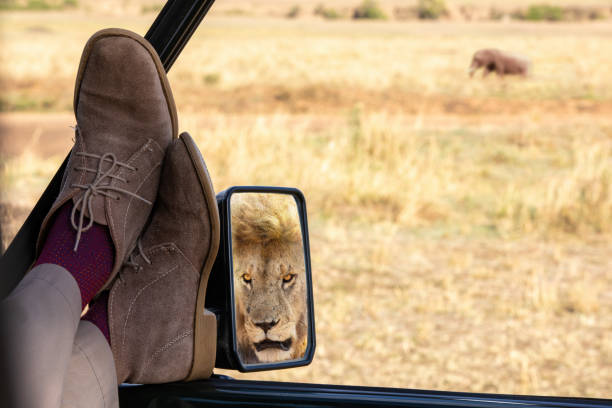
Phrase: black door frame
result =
(224, 391)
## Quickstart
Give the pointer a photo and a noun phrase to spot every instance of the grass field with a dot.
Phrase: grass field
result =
(461, 230)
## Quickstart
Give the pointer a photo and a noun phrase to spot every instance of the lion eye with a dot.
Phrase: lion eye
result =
(246, 277)
(288, 277)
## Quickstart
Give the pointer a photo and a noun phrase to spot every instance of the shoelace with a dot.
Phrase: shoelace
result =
(96, 187)
(132, 261)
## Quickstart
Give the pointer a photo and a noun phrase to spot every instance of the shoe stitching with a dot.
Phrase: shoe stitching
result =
(193, 268)
(127, 317)
(111, 301)
(132, 160)
(166, 347)
(152, 250)
(125, 217)
(84, 148)
(174, 247)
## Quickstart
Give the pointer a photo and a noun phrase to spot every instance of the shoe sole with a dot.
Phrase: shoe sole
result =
(118, 32)
(204, 345)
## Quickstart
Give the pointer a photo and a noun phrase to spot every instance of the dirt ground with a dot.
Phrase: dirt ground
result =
(47, 135)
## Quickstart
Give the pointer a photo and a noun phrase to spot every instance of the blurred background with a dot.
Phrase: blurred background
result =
(461, 229)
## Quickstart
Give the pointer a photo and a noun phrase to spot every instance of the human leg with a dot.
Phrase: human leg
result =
(91, 379)
(38, 321)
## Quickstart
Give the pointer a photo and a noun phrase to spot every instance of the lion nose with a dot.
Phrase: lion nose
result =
(265, 326)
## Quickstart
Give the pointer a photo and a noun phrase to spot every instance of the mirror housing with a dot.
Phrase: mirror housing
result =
(221, 291)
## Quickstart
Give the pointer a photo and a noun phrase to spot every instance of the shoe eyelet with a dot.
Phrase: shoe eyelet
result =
(117, 198)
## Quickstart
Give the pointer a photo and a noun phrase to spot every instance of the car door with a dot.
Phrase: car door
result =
(224, 391)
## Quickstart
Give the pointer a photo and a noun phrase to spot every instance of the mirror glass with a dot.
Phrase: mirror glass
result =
(269, 273)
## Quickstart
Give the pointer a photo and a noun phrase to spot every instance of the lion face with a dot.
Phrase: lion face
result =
(270, 292)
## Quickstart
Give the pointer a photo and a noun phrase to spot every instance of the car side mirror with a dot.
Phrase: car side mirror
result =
(260, 286)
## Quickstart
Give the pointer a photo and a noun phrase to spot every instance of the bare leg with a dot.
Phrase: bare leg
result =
(91, 380)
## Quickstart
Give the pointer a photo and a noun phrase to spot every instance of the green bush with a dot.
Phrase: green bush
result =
(294, 12)
(37, 5)
(431, 9)
(151, 8)
(7, 5)
(544, 12)
(370, 10)
(327, 13)
(42, 5)
(212, 78)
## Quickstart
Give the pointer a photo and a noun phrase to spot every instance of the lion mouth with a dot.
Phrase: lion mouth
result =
(267, 344)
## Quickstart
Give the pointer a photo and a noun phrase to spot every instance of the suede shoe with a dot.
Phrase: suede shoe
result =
(159, 329)
(126, 118)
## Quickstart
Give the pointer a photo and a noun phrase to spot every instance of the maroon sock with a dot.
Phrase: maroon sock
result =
(92, 262)
(98, 314)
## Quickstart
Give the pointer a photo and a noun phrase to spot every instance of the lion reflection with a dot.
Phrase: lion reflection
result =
(269, 278)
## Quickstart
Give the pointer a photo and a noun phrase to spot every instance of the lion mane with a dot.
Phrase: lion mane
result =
(264, 219)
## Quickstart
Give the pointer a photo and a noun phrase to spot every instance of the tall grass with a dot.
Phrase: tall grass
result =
(576, 201)
(507, 180)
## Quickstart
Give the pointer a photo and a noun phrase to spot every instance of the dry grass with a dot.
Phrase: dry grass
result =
(523, 317)
(460, 230)
(501, 181)
(397, 67)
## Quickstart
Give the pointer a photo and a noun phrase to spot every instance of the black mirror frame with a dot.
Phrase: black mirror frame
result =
(220, 291)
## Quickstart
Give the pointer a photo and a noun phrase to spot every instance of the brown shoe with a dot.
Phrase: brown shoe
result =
(156, 334)
(126, 118)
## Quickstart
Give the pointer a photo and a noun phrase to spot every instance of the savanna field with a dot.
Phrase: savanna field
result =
(460, 229)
